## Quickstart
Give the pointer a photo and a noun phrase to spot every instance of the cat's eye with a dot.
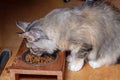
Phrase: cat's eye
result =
(29, 39)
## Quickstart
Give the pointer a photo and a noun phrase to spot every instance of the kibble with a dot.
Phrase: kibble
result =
(33, 59)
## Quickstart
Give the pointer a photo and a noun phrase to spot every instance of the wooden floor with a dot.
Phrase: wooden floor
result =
(29, 10)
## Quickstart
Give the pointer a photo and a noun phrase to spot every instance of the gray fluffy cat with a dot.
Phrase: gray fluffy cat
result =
(90, 32)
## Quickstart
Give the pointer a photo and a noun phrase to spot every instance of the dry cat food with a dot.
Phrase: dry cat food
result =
(31, 58)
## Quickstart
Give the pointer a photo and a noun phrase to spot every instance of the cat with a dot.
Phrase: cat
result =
(90, 32)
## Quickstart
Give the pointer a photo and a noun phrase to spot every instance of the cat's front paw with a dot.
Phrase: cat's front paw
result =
(69, 58)
(95, 64)
(76, 66)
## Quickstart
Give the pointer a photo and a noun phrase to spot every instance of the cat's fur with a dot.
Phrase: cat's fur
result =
(91, 32)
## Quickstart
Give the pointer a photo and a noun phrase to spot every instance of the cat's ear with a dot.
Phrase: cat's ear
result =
(22, 25)
(33, 35)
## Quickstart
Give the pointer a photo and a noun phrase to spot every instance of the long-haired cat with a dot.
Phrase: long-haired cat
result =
(90, 32)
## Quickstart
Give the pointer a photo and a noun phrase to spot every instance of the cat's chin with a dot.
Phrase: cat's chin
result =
(37, 54)
(50, 52)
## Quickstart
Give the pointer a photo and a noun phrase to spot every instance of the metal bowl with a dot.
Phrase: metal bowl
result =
(55, 55)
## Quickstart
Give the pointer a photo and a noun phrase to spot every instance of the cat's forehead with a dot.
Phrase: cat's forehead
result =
(35, 25)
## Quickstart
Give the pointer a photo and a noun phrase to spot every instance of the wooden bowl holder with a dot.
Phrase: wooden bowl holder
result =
(20, 67)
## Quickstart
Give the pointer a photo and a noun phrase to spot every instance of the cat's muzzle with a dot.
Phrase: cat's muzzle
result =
(37, 51)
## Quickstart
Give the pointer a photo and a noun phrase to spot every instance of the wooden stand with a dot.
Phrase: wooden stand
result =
(20, 67)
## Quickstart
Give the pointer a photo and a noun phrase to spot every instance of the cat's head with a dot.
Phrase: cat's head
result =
(31, 31)
(37, 39)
